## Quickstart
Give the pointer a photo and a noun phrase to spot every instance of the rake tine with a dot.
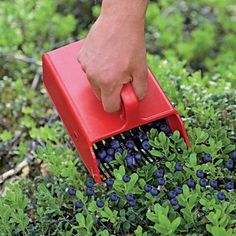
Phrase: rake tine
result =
(145, 152)
(107, 170)
(102, 173)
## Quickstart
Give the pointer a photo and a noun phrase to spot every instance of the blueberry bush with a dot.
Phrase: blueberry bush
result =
(157, 186)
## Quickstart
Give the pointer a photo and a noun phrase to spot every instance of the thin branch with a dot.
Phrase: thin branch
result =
(36, 79)
(28, 158)
(22, 58)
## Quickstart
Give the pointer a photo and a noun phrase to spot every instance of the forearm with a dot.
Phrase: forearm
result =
(128, 10)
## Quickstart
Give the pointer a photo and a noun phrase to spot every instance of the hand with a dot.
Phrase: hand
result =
(114, 54)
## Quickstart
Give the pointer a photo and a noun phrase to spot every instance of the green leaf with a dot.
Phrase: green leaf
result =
(175, 224)
(130, 185)
(139, 231)
(152, 217)
(185, 191)
(162, 137)
(193, 159)
(156, 153)
(81, 220)
(6, 136)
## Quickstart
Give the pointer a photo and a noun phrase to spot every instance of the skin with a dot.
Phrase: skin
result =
(114, 52)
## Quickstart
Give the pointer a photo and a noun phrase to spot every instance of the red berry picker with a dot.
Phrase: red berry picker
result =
(94, 131)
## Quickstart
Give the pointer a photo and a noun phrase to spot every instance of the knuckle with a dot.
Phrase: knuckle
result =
(90, 72)
(79, 57)
(105, 81)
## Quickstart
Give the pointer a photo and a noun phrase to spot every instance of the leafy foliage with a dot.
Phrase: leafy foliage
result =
(192, 52)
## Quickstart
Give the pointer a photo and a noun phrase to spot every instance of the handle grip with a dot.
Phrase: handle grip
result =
(130, 105)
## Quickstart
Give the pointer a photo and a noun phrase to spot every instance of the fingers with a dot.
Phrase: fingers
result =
(139, 83)
(90, 77)
(111, 100)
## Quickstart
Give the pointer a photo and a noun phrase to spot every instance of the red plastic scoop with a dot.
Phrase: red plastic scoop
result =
(82, 113)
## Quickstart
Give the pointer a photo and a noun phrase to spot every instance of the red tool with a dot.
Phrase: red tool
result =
(82, 113)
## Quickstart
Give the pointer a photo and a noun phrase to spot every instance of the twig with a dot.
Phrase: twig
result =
(36, 79)
(22, 58)
(29, 157)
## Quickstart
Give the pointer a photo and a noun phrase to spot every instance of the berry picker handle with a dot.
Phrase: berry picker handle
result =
(130, 106)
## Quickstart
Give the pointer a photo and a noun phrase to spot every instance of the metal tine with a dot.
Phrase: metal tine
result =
(141, 162)
(121, 139)
(138, 163)
(139, 146)
(107, 141)
(109, 165)
(102, 173)
(100, 145)
(107, 170)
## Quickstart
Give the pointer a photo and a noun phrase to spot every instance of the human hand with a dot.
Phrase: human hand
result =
(114, 54)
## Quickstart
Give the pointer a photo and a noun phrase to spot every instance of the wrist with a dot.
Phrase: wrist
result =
(124, 10)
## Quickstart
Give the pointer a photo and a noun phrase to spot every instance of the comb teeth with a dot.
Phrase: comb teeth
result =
(134, 141)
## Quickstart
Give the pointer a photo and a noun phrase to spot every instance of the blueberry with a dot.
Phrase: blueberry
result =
(130, 144)
(144, 137)
(132, 203)
(127, 134)
(179, 166)
(130, 161)
(100, 203)
(160, 181)
(150, 125)
(157, 124)
(79, 204)
(214, 183)
(160, 173)
(146, 145)
(113, 197)
(229, 165)
(168, 133)
(174, 202)
(230, 185)
(89, 183)
(178, 190)
(154, 191)
(109, 182)
(90, 191)
(138, 156)
(126, 178)
(120, 150)
(172, 194)
(115, 144)
(207, 158)
(98, 162)
(221, 196)
(147, 187)
(203, 182)
(200, 174)
(110, 151)
(164, 128)
(108, 159)
(233, 155)
(72, 191)
(130, 197)
(139, 135)
(191, 183)
(102, 154)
